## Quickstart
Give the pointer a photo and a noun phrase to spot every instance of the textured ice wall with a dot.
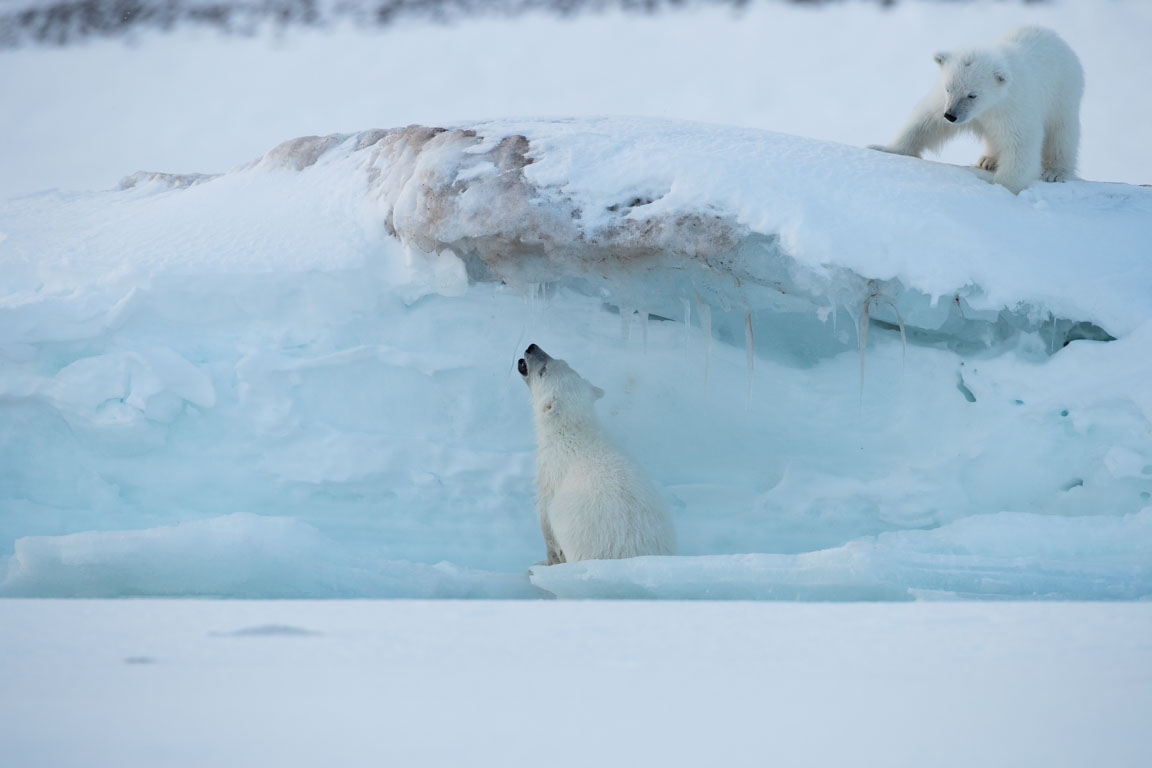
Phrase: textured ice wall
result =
(328, 335)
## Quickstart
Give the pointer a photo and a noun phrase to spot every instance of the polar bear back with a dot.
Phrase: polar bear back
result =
(1045, 73)
(604, 507)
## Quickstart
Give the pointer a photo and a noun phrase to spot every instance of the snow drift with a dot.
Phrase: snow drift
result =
(927, 384)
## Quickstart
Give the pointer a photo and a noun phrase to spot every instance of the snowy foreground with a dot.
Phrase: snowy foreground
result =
(192, 683)
(883, 377)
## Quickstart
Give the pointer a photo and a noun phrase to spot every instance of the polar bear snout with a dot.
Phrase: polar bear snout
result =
(958, 111)
(534, 363)
(534, 360)
(534, 351)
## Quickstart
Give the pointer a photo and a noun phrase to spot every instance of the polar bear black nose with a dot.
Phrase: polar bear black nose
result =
(522, 367)
(532, 348)
(950, 117)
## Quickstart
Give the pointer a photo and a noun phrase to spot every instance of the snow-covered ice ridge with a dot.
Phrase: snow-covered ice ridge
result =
(295, 378)
(649, 214)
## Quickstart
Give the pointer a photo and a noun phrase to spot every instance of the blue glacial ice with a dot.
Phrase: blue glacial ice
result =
(297, 378)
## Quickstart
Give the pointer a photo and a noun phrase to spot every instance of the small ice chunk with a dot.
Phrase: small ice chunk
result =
(450, 276)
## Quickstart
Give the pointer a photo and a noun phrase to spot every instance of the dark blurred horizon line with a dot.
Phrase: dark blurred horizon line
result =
(62, 22)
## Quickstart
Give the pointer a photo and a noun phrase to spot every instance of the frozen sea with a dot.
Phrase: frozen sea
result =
(493, 683)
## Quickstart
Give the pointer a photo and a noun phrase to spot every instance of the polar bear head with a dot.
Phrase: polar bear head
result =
(974, 81)
(558, 392)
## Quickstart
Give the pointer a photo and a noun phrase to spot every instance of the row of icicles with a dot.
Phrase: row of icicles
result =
(705, 312)
(536, 297)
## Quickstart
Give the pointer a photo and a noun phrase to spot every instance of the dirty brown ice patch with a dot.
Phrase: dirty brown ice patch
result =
(459, 190)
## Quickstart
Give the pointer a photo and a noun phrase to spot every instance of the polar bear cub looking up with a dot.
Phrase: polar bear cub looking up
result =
(1021, 94)
(594, 502)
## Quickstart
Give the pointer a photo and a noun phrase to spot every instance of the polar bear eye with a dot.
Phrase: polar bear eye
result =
(542, 369)
(971, 95)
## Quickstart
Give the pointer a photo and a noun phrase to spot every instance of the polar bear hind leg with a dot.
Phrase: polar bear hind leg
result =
(1061, 140)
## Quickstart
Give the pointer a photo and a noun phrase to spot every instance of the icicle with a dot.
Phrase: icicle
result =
(863, 331)
(687, 323)
(749, 350)
(903, 336)
(1052, 343)
(626, 323)
(537, 294)
(644, 326)
(835, 314)
(705, 311)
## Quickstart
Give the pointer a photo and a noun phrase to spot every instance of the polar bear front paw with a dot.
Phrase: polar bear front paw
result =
(1056, 174)
(988, 163)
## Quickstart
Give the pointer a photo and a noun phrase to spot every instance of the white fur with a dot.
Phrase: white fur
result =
(1028, 86)
(594, 502)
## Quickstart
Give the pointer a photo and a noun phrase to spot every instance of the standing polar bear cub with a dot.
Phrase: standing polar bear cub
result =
(1020, 94)
(594, 502)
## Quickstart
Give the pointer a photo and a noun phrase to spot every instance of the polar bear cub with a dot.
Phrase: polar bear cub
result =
(594, 502)
(1021, 94)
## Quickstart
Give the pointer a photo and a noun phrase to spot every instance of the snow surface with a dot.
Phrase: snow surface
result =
(193, 683)
(82, 116)
(297, 378)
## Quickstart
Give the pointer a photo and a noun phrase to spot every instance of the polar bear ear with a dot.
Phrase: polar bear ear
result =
(941, 57)
(1000, 77)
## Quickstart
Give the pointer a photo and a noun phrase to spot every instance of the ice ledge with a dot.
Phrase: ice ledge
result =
(234, 556)
(996, 556)
(650, 213)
